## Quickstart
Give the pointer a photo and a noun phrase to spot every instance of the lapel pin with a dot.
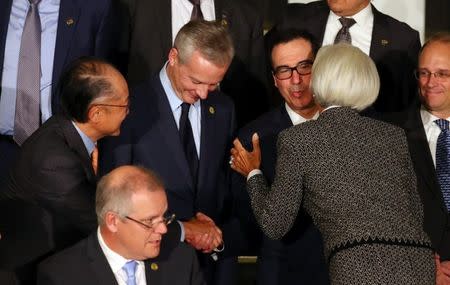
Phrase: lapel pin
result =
(211, 110)
(154, 266)
(69, 21)
(384, 42)
(224, 21)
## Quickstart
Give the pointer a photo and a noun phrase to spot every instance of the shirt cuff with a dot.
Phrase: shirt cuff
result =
(253, 173)
(182, 231)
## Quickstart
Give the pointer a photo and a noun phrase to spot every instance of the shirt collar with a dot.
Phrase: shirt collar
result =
(362, 18)
(428, 118)
(297, 118)
(88, 143)
(115, 260)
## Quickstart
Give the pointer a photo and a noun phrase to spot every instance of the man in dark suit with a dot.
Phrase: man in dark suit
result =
(69, 29)
(187, 147)
(422, 130)
(130, 243)
(49, 200)
(298, 258)
(391, 44)
(153, 25)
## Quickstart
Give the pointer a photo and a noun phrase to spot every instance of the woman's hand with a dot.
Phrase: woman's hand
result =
(243, 161)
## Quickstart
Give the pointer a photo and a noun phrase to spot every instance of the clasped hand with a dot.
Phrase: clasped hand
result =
(202, 233)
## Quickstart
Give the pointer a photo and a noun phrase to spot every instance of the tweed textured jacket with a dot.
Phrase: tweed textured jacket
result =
(353, 175)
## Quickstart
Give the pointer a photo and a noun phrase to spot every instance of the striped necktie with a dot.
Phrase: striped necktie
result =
(443, 160)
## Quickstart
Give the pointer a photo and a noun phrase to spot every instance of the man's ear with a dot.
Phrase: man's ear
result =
(94, 114)
(173, 56)
(111, 221)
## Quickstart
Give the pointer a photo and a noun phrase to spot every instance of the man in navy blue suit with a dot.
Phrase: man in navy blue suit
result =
(182, 99)
(69, 29)
(297, 258)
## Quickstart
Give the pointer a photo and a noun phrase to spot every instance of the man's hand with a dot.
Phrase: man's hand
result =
(243, 161)
(442, 271)
(202, 233)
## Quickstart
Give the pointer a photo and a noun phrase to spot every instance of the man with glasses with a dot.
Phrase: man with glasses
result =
(130, 245)
(297, 259)
(428, 133)
(50, 190)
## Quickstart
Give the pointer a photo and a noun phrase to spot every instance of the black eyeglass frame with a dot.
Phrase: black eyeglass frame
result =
(167, 220)
(299, 68)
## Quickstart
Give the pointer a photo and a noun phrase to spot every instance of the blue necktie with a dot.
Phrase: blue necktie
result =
(443, 160)
(130, 269)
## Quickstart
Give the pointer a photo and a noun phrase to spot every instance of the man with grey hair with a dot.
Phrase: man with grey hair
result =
(128, 246)
(181, 127)
(50, 191)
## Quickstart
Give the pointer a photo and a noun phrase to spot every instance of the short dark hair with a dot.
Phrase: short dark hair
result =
(83, 82)
(279, 35)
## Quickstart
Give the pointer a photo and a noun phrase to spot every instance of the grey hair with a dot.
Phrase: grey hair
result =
(343, 75)
(210, 38)
(115, 189)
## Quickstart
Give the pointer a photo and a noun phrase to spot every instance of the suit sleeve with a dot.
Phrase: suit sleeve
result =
(276, 208)
(61, 185)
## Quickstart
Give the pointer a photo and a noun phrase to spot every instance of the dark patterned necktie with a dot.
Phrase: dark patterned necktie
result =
(343, 34)
(26, 119)
(196, 11)
(187, 140)
(443, 160)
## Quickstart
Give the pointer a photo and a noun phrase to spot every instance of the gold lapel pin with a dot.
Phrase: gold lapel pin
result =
(154, 266)
(69, 21)
(384, 42)
(211, 110)
(224, 22)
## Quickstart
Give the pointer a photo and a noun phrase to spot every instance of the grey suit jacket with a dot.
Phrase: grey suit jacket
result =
(354, 177)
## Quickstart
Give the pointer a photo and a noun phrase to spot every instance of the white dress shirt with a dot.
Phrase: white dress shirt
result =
(361, 31)
(116, 262)
(432, 130)
(182, 10)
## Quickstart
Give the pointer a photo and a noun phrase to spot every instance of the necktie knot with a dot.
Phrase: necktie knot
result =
(347, 22)
(196, 11)
(185, 108)
(130, 269)
(443, 124)
(34, 2)
(195, 2)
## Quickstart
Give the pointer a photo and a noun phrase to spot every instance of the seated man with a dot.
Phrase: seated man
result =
(131, 207)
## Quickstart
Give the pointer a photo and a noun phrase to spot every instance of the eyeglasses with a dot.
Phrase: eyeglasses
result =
(166, 220)
(285, 72)
(422, 74)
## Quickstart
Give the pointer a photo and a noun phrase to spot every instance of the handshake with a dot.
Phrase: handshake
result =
(202, 233)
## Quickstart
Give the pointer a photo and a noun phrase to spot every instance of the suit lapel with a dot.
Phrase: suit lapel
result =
(320, 21)
(5, 11)
(76, 143)
(208, 122)
(420, 152)
(67, 25)
(381, 36)
(168, 130)
(153, 272)
(164, 23)
(98, 262)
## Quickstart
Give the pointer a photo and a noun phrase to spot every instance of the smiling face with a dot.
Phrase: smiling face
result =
(435, 92)
(194, 79)
(295, 90)
(347, 8)
(136, 241)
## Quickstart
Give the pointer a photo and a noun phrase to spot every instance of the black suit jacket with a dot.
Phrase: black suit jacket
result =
(149, 137)
(394, 49)
(148, 39)
(52, 186)
(304, 240)
(436, 216)
(85, 263)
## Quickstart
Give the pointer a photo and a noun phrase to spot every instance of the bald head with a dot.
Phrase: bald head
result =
(114, 190)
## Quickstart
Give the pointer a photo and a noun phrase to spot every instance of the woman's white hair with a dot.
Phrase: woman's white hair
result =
(343, 75)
